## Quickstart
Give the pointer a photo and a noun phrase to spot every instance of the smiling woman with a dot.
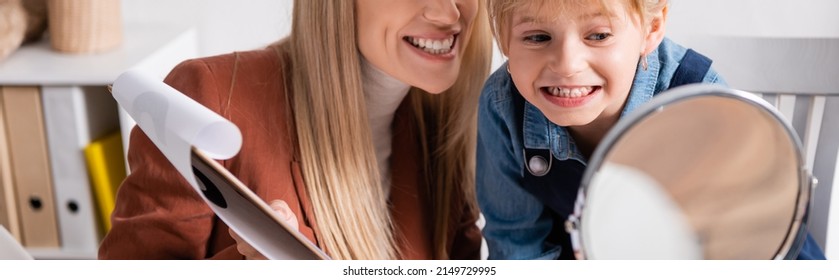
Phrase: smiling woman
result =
(340, 131)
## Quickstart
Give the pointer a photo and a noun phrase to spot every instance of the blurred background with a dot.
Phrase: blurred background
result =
(788, 50)
(785, 51)
(225, 26)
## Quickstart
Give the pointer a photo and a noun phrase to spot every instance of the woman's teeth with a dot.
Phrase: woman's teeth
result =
(569, 92)
(432, 46)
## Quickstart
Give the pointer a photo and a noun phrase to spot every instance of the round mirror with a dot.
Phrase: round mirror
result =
(699, 172)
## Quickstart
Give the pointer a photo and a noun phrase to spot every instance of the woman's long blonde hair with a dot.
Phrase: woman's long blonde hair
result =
(334, 139)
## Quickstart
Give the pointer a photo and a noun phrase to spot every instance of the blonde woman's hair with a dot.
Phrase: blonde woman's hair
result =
(501, 12)
(334, 139)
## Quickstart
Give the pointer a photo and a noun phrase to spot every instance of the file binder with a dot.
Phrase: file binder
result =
(8, 200)
(107, 170)
(30, 166)
(73, 117)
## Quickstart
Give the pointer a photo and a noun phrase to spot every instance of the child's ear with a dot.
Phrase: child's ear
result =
(655, 31)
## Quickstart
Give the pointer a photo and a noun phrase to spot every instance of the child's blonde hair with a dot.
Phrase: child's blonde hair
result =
(501, 11)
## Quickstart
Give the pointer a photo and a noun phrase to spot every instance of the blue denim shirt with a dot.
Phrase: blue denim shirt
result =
(518, 225)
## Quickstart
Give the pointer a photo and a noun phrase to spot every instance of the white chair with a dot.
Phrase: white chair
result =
(811, 116)
(800, 76)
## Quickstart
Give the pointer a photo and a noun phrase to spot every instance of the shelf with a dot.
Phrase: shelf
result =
(80, 109)
(55, 254)
(38, 64)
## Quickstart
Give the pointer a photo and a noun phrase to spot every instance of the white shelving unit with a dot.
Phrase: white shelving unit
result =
(78, 109)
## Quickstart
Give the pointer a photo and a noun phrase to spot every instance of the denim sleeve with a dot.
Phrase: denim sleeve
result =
(714, 78)
(810, 250)
(516, 222)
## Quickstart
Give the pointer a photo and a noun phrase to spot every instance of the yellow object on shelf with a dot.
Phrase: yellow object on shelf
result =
(106, 167)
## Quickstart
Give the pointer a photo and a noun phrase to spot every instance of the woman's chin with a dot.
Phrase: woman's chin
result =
(435, 88)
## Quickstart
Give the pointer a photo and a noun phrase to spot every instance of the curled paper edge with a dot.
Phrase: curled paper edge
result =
(177, 124)
(169, 117)
(174, 122)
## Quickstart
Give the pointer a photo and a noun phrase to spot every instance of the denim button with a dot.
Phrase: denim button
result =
(537, 165)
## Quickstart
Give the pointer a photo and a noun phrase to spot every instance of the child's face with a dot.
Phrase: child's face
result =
(578, 66)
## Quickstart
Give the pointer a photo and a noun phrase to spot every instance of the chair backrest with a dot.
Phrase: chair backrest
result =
(811, 116)
(800, 76)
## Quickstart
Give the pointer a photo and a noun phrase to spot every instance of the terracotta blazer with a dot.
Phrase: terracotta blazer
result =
(159, 216)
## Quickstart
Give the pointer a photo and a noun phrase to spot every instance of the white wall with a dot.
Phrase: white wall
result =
(225, 25)
(754, 18)
(222, 25)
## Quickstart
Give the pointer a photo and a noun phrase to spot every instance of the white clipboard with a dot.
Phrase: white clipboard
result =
(192, 137)
(251, 217)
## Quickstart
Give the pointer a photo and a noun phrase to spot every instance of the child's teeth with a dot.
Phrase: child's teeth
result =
(569, 92)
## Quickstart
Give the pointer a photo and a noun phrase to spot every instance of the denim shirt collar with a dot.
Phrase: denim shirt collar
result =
(540, 133)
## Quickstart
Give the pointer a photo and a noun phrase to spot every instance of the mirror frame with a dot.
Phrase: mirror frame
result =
(796, 234)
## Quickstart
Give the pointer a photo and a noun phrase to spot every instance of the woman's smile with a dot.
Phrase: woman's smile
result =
(433, 46)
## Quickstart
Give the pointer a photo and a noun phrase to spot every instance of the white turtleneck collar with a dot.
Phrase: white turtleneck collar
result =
(383, 95)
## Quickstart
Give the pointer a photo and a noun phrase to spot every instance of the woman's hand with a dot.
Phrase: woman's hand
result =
(246, 249)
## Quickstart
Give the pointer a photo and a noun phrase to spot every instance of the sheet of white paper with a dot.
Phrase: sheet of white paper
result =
(175, 124)
(10, 249)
